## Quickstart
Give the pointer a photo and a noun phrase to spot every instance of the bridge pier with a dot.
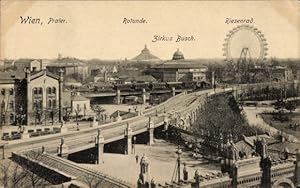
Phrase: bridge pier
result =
(144, 96)
(173, 91)
(63, 149)
(100, 146)
(118, 97)
(151, 131)
(128, 138)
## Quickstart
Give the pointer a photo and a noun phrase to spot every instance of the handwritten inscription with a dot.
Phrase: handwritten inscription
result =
(134, 21)
(177, 38)
(38, 21)
(239, 21)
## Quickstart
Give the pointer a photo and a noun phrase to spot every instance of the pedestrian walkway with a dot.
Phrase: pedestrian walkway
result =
(162, 158)
(254, 119)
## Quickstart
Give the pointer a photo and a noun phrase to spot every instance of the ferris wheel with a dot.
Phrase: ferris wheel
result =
(245, 41)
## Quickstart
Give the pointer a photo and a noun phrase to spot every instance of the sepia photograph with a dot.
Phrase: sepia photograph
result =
(149, 94)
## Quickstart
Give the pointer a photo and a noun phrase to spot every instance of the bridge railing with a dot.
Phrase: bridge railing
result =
(69, 168)
(162, 106)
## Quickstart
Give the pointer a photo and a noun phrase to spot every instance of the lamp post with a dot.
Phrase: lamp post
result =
(134, 141)
(60, 114)
(178, 162)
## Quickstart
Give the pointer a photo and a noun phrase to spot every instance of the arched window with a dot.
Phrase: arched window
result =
(40, 91)
(35, 91)
(54, 90)
(49, 90)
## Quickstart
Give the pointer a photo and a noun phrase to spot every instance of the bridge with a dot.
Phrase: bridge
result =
(186, 105)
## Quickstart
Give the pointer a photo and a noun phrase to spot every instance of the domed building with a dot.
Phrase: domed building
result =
(179, 70)
(145, 56)
(178, 55)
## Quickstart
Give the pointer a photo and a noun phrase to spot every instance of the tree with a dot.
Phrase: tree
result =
(290, 106)
(11, 174)
(23, 174)
(279, 106)
(99, 110)
(220, 119)
(93, 181)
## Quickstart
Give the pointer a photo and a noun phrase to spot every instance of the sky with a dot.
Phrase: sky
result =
(95, 29)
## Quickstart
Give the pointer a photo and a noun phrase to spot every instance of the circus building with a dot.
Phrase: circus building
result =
(145, 57)
(179, 70)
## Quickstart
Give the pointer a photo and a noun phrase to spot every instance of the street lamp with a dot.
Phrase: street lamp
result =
(178, 162)
(134, 141)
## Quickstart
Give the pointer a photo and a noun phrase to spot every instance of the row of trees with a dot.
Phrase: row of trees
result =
(229, 72)
(269, 93)
(221, 120)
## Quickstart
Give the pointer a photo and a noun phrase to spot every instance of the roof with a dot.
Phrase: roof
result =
(70, 80)
(102, 84)
(179, 64)
(291, 146)
(41, 73)
(142, 78)
(123, 114)
(79, 98)
(250, 139)
(66, 62)
(6, 78)
(145, 55)
(178, 55)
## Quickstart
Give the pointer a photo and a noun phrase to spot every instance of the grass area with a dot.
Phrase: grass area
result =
(285, 126)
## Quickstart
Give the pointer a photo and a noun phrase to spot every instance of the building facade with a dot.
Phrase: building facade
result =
(31, 98)
(7, 99)
(179, 70)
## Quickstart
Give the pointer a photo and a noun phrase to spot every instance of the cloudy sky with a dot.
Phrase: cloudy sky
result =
(95, 29)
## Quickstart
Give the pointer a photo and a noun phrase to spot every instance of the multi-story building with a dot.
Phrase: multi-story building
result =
(7, 98)
(29, 98)
(71, 67)
(179, 70)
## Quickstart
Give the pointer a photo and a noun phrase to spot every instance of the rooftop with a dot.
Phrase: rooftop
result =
(145, 55)
(79, 98)
(65, 62)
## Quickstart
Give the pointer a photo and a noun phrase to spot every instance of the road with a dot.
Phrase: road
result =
(84, 138)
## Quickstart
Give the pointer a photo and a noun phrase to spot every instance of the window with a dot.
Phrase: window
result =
(11, 91)
(40, 91)
(54, 90)
(49, 90)
(54, 103)
(49, 103)
(77, 106)
(11, 118)
(35, 91)
(3, 105)
(11, 105)
(35, 105)
(2, 91)
(84, 106)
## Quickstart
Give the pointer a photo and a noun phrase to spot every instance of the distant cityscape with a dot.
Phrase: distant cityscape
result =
(222, 123)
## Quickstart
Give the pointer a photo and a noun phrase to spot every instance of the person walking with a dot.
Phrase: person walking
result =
(136, 159)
